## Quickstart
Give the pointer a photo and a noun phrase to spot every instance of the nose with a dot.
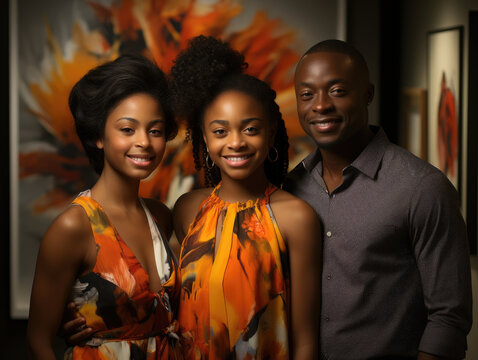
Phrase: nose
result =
(322, 103)
(142, 139)
(236, 141)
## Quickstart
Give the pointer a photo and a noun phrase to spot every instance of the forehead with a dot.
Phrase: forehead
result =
(138, 102)
(323, 66)
(234, 102)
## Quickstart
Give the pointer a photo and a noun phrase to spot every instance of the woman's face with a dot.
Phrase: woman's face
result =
(134, 138)
(238, 135)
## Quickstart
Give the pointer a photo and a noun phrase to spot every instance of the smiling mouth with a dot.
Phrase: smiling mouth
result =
(237, 158)
(141, 159)
(326, 124)
(237, 161)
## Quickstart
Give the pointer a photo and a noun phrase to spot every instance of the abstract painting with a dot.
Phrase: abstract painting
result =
(55, 42)
(444, 101)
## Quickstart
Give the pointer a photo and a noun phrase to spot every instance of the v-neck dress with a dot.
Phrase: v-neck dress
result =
(234, 302)
(128, 319)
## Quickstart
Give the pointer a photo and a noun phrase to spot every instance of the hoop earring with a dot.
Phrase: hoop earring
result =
(208, 161)
(276, 155)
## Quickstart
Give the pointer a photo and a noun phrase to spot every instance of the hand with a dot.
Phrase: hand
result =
(73, 328)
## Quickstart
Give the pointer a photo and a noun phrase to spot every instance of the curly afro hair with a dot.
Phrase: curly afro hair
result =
(205, 69)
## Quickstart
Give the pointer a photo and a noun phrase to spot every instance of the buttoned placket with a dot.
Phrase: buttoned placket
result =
(329, 233)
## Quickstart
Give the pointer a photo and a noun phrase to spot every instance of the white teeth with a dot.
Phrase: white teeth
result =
(237, 158)
(139, 159)
(325, 123)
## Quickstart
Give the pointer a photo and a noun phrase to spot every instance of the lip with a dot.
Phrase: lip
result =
(325, 124)
(237, 160)
(141, 160)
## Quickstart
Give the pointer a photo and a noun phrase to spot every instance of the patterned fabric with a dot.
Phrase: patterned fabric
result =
(234, 304)
(129, 320)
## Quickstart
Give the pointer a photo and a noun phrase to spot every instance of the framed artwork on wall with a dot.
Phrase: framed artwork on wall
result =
(414, 121)
(444, 74)
(472, 153)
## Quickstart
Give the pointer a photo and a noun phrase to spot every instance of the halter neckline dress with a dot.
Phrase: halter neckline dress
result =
(234, 302)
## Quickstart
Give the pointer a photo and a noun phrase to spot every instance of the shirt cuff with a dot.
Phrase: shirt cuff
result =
(443, 341)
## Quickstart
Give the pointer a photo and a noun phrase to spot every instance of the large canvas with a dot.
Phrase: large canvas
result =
(444, 101)
(55, 42)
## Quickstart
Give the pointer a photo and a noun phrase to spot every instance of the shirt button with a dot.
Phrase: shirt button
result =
(326, 318)
(329, 233)
(329, 277)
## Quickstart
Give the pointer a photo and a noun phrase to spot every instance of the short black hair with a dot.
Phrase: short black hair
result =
(207, 68)
(339, 46)
(97, 93)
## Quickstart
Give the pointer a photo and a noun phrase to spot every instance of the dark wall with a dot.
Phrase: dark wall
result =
(373, 26)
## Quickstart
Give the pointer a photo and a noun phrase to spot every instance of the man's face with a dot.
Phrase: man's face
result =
(332, 97)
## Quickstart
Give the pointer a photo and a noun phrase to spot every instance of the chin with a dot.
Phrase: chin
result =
(327, 144)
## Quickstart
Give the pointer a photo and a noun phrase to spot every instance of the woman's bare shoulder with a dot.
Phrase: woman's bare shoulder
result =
(73, 221)
(68, 235)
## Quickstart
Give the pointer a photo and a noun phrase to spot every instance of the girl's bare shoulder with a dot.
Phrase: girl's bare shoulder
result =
(190, 201)
(292, 212)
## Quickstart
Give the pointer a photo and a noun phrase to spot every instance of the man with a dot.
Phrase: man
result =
(396, 273)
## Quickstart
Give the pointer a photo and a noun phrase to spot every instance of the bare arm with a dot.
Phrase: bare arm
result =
(300, 225)
(60, 260)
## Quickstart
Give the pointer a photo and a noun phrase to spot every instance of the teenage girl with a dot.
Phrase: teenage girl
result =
(251, 252)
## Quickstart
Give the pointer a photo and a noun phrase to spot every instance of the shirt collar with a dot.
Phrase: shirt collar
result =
(369, 160)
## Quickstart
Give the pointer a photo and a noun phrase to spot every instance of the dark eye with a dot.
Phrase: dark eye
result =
(127, 130)
(219, 132)
(156, 132)
(251, 130)
(306, 95)
(338, 91)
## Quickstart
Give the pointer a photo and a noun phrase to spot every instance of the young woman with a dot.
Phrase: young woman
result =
(251, 253)
(108, 252)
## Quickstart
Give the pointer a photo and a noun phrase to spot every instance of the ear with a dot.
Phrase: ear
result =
(205, 141)
(99, 144)
(370, 93)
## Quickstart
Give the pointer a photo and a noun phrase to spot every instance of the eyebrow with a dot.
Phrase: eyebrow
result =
(226, 122)
(136, 121)
(329, 83)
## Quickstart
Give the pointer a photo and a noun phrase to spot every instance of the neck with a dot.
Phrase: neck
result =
(233, 190)
(115, 192)
(335, 159)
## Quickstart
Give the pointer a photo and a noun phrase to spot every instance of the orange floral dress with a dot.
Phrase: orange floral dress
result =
(128, 319)
(234, 302)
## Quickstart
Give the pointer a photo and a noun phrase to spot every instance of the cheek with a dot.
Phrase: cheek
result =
(302, 109)
(160, 145)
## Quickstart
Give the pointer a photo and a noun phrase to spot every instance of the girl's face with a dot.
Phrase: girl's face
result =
(134, 139)
(238, 135)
